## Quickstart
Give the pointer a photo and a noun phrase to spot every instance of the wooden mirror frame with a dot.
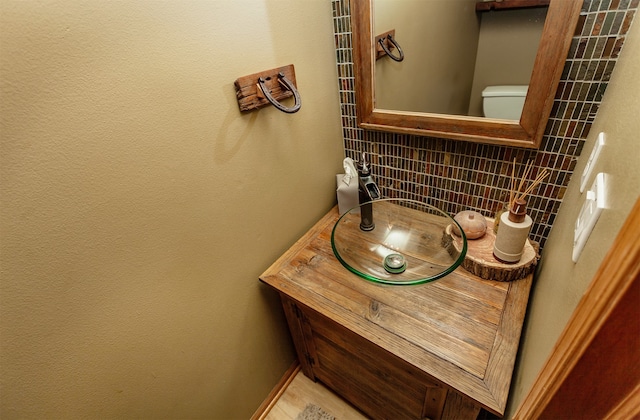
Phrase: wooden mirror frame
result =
(559, 27)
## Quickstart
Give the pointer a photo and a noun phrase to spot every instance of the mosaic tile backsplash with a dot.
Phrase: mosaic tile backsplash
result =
(456, 175)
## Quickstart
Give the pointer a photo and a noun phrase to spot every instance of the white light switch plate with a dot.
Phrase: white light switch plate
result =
(595, 153)
(591, 209)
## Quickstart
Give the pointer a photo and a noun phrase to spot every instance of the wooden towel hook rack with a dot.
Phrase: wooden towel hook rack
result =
(268, 88)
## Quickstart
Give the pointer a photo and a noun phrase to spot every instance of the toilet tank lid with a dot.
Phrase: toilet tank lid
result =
(510, 90)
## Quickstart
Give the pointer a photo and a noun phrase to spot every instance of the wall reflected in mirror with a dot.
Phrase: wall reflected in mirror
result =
(452, 53)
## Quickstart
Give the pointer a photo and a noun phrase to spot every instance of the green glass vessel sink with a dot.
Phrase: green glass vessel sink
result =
(407, 244)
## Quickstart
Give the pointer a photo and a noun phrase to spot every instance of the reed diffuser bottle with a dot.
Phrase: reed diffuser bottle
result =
(515, 226)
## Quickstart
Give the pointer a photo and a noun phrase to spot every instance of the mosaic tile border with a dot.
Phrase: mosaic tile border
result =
(456, 175)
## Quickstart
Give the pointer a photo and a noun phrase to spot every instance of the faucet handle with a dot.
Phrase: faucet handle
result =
(362, 165)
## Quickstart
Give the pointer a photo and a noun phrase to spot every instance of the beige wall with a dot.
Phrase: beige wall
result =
(560, 283)
(138, 206)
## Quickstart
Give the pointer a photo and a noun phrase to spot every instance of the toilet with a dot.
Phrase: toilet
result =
(504, 102)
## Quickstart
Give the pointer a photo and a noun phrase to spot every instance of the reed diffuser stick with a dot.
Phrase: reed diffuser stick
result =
(527, 171)
(513, 180)
(522, 190)
(521, 183)
(535, 183)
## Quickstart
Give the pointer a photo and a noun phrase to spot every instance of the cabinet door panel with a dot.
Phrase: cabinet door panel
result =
(379, 383)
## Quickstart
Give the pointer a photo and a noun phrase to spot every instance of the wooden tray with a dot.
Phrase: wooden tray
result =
(481, 262)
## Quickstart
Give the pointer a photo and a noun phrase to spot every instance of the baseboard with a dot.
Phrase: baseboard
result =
(277, 392)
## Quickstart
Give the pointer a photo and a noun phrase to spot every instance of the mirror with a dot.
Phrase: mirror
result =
(561, 19)
(474, 50)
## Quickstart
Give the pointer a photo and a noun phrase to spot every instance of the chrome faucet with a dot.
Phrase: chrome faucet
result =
(367, 192)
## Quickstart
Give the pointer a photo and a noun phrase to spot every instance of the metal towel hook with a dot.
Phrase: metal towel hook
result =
(286, 83)
(388, 51)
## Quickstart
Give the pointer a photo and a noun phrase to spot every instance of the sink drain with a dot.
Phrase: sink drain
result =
(394, 263)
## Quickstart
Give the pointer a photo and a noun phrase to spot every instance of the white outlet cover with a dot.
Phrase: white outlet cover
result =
(595, 154)
(594, 203)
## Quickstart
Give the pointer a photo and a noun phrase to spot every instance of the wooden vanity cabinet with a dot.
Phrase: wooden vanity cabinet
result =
(441, 350)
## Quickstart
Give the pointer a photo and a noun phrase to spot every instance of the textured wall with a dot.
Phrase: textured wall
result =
(455, 175)
(139, 206)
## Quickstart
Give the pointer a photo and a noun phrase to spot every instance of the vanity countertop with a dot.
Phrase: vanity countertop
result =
(462, 330)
